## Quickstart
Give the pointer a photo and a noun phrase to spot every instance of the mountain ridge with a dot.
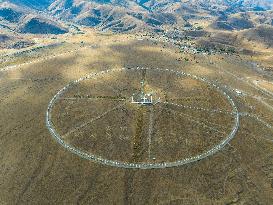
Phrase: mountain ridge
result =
(134, 16)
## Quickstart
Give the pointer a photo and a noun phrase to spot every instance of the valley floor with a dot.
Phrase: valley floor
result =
(35, 169)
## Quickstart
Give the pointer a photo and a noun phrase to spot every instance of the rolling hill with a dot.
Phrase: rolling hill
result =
(138, 15)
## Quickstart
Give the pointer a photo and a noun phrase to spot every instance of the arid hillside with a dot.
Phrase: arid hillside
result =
(136, 102)
(36, 169)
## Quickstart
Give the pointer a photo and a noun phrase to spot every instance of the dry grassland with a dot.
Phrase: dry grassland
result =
(35, 169)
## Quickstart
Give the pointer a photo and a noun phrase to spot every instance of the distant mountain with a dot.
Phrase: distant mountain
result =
(125, 15)
(38, 25)
(25, 20)
(34, 4)
(119, 16)
(150, 4)
(135, 15)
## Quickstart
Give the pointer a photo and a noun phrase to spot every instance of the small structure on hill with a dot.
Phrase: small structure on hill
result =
(142, 98)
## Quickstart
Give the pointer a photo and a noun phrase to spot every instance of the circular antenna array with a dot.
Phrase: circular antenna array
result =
(142, 118)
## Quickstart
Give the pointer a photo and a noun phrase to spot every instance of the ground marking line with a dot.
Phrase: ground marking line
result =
(150, 131)
(197, 121)
(92, 120)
